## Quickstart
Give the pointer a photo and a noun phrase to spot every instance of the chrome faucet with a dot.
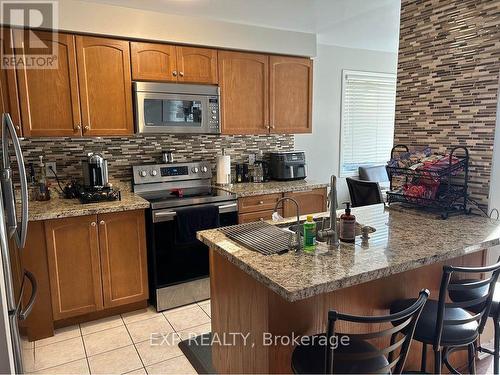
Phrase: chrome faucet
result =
(298, 246)
(331, 234)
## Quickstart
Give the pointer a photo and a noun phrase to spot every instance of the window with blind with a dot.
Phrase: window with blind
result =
(367, 122)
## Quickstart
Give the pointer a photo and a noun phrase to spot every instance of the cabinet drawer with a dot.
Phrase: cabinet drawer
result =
(258, 203)
(256, 216)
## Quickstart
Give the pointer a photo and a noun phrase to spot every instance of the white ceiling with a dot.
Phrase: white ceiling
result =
(368, 24)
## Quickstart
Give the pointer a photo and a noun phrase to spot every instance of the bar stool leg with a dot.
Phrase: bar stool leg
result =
(496, 354)
(471, 356)
(437, 361)
(423, 364)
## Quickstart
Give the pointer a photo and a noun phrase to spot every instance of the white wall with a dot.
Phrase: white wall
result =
(322, 146)
(495, 167)
(80, 16)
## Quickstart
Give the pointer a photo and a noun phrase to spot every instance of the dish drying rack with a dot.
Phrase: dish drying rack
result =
(453, 179)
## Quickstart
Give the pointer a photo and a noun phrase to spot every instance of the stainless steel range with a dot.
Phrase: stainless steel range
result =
(179, 270)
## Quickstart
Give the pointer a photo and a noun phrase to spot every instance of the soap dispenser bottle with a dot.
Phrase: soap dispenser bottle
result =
(347, 225)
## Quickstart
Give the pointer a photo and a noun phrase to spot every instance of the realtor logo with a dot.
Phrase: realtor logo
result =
(23, 46)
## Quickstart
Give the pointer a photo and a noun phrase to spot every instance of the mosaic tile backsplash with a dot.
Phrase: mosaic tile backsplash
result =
(124, 152)
(448, 78)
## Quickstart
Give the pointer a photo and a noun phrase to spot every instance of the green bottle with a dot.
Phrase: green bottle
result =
(309, 235)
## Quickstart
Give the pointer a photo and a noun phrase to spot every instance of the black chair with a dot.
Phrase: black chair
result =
(364, 193)
(494, 313)
(449, 326)
(377, 173)
(328, 353)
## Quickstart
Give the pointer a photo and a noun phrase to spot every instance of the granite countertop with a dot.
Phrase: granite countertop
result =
(58, 207)
(247, 189)
(403, 241)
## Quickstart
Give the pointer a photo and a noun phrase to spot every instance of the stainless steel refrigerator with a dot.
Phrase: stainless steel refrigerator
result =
(15, 281)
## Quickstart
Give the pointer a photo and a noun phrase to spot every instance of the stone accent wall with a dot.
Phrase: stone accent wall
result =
(448, 80)
(124, 152)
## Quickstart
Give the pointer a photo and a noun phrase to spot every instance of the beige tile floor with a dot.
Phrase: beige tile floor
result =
(121, 344)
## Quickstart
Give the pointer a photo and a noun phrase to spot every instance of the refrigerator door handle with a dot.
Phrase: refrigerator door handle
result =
(20, 229)
(24, 313)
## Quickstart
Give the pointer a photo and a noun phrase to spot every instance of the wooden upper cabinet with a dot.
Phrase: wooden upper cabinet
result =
(244, 84)
(74, 266)
(105, 86)
(153, 62)
(197, 65)
(122, 241)
(50, 104)
(290, 94)
(8, 83)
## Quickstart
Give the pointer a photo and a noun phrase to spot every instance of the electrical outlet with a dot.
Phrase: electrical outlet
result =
(48, 169)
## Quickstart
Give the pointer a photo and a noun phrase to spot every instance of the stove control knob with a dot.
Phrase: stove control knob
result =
(143, 173)
(153, 172)
(195, 170)
(204, 169)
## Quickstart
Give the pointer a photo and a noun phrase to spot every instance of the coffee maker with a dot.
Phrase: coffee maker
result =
(96, 186)
(95, 171)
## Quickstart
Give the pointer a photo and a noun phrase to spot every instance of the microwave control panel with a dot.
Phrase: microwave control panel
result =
(213, 116)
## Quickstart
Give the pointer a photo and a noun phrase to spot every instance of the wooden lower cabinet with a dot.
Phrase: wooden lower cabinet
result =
(123, 258)
(261, 207)
(96, 262)
(74, 266)
(310, 202)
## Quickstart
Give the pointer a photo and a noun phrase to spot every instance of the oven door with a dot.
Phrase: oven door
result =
(176, 263)
(173, 113)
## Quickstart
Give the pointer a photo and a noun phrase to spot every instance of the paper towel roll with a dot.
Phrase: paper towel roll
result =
(223, 169)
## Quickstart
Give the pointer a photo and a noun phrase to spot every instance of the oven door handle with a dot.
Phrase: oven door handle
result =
(170, 215)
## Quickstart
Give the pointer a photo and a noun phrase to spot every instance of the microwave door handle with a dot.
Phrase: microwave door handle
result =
(20, 229)
(24, 313)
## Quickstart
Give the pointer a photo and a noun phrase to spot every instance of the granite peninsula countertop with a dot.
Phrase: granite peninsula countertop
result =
(57, 207)
(247, 189)
(403, 241)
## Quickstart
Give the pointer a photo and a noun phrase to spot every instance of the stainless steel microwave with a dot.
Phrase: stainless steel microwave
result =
(174, 108)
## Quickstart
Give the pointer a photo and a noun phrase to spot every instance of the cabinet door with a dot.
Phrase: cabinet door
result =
(310, 202)
(105, 86)
(74, 266)
(197, 65)
(50, 104)
(244, 83)
(290, 95)
(8, 83)
(153, 62)
(122, 240)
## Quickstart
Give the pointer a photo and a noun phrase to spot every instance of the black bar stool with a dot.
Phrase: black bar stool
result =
(494, 312)
(450, 326)
(342, 353)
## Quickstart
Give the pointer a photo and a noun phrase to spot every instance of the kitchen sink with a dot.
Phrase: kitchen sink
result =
(319, 226)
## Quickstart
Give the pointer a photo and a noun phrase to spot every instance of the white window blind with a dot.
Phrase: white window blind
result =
(367, 125)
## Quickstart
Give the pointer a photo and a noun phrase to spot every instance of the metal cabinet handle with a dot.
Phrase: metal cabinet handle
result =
(23, 314)
(78, 127)
(181, 74)
(102, 222)
(261, 202)
(86, 128)
(18, 127)
(93, 223)
(174, 73)
(273, 127)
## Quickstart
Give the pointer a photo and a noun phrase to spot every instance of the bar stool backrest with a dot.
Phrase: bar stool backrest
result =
(402, 322)
(484, 301)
